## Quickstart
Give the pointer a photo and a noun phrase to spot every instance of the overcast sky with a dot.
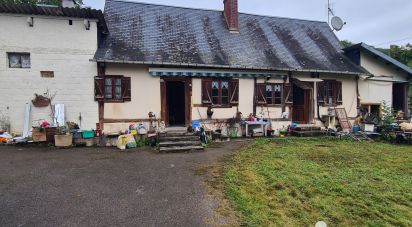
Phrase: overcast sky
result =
(376, 22)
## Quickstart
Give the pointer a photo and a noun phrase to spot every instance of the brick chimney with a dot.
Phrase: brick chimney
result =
(231, 15)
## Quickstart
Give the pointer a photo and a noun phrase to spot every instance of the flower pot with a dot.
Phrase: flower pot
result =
(63, 140)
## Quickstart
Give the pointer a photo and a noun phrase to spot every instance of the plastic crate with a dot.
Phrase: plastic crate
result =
(88, 134)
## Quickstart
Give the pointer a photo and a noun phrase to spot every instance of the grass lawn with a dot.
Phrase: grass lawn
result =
(297, 182)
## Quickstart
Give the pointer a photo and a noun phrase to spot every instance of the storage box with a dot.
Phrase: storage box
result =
(368, 127)
(50, 133)
(63, 140)
(88, 134)
(77, 134)
(39, 135)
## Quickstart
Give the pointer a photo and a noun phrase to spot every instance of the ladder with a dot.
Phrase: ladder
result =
(343, 119)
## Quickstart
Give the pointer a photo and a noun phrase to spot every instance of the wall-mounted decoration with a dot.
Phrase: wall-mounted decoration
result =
(40, 101)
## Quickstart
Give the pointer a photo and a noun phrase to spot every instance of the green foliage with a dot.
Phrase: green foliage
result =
(48, 2)
(401, 53)
(346, 43)
(388, 115)
(298, 182)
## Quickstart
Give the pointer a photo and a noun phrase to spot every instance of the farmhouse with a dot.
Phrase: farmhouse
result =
(177, 63)
(183, 65)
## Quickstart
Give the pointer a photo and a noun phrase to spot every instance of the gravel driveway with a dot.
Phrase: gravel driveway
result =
(104, 187)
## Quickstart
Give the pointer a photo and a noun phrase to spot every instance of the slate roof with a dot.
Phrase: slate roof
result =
(379, 54)
(56, 11)
(156, 34)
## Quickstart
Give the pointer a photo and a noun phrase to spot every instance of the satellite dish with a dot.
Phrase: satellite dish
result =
(337, 23)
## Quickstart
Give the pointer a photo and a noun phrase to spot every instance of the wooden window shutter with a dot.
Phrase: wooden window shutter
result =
(98, 88)
(126, 89)
(260, 93)
(321, 92)
(288, 94)
(338, 90)
(206, 91)
(234, 92)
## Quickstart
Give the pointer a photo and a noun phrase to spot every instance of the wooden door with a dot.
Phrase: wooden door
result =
(188, 99)
(301, 105)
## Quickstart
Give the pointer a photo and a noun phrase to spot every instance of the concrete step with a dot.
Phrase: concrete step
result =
(179, 149)
(180, 143)
(179, 138)
(307, 128)
(175, 134)
(308, 133)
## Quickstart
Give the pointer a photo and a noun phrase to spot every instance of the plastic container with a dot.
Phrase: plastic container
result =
(76, 134)
(356, 128)
(88, 134)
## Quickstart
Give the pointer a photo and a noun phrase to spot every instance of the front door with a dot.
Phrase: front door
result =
(175, 102)
(301, 102)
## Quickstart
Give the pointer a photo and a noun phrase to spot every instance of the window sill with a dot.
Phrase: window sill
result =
(269, 105)
(114, 101)
(216, 106)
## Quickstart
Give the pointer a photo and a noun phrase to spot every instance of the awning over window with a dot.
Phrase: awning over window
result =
(167, 72)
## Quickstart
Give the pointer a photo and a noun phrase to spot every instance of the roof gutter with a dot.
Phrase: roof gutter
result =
(225, 67)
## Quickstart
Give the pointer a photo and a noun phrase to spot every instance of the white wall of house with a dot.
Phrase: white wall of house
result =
(349, 99)
(374, 91)
(54, 45)
(146, 98)
(245, 101)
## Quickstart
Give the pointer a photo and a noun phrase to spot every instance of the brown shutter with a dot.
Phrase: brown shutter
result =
(234, 92)
(338, 90)
(288, 94)
(98, 88)
(321, 93)
(126, 89)
(260, 93)
(206, 91)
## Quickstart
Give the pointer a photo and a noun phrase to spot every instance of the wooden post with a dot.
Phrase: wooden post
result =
(163, 101)
(254, 96)
(101, 72)
(188, 98)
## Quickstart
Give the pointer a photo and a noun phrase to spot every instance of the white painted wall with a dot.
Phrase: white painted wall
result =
(245, 101)
(375, 92)
(56, 46)
(145, 96)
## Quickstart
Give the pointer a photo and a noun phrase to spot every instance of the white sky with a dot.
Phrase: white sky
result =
(375, 22)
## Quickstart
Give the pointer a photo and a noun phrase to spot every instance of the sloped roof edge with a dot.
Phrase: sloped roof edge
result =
(381, 55)
(56, 11)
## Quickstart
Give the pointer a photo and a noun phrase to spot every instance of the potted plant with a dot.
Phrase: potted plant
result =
(232, 130)
(63, 138)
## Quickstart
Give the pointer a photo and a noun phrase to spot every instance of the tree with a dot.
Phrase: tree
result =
(346, 43)
(48, 2)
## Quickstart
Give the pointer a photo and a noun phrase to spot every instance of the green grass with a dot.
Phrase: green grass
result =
(297, 182)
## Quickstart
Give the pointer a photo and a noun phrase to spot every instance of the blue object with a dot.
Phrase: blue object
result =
(294, 124)
(195, 124)
(356, 128)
